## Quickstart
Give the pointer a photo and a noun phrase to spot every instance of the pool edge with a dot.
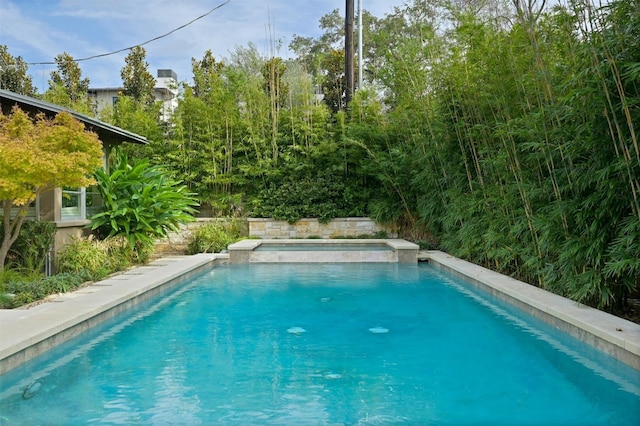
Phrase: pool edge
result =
(613, 335)
(26, 333)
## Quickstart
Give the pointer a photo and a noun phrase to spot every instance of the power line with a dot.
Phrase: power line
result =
(140, 44)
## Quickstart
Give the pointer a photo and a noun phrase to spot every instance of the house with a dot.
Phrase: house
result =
(69, 208)
(165, 91)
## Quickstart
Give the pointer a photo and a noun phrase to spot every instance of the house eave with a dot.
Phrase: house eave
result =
(108, 134)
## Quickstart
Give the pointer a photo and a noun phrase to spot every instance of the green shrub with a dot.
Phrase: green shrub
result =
(215, 237)
(9, 281)
(79, 262)
(64, 282)
(122, 255)
(7, 301)
(9, 275)
(324, 196)
(30, 250)
(84, 255)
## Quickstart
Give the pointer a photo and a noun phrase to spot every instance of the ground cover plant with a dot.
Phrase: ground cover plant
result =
(81, 262)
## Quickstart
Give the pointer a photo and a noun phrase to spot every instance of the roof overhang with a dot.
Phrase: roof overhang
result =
(107, 133)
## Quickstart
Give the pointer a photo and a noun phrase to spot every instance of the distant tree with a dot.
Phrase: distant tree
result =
(67, 81)
(13, 74)
(334, 80)
(206, 74)
(142, 120)
(137, 81)
(308, 49)
(314, 53)
(38, 156)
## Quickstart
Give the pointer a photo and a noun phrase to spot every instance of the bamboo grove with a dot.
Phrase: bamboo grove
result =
(520, 143)
(502, 132)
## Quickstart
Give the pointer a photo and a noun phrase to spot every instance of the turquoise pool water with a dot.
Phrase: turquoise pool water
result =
(322, 344)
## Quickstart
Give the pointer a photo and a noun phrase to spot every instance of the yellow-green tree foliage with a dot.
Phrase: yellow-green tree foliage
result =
(39, 155)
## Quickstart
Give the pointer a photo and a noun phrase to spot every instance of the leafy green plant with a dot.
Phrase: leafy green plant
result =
(98, 258)
(215, 237)
(324, 196)
(122, 255)
(84, 254)
(79, 262)
(141, 202)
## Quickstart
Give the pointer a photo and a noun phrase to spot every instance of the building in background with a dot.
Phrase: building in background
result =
(165, 91)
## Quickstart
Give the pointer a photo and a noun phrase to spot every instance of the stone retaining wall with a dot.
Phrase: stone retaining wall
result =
(311, 228)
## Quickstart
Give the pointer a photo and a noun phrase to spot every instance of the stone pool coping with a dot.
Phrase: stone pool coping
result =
(26, 333)
(616, 336)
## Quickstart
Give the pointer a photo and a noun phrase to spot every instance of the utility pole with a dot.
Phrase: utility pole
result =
(360, 53)
(348, 51)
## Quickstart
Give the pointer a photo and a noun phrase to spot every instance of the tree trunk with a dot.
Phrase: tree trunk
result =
(11, 229)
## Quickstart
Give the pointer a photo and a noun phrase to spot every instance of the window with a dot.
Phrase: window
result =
(74, 204)
(114, 100)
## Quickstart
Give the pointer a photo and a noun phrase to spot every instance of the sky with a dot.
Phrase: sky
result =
(38, 30)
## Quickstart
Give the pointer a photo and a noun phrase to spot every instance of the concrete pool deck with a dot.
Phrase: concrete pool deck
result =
(25, 333)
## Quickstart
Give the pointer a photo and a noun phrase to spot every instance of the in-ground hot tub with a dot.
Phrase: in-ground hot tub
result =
(323, 251)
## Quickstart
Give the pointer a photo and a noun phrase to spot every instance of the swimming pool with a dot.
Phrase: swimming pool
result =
(323, 344)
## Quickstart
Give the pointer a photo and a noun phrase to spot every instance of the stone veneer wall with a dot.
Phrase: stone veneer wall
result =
(306, 228)
(177, 242)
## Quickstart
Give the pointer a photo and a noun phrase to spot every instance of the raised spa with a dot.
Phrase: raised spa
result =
(323, 251)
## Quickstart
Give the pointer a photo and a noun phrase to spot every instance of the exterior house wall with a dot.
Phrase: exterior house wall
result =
(50, 210)
(104, 97)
